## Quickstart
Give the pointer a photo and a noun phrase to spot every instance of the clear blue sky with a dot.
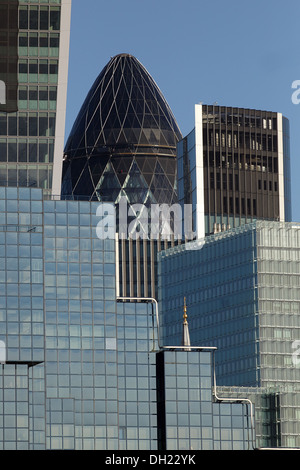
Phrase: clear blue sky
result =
(236, 52)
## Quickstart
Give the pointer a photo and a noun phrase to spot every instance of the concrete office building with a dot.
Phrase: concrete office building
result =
(82, 368)
(234, 168)
(35, 49)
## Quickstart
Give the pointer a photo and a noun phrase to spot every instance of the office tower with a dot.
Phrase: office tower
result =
(81, 368)
(35, 46)
(123, 142)
(123, 147)
(242, 294)
(234, 168)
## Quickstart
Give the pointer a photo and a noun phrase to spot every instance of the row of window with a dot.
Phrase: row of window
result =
(40, 17)
(26, 151)
(215, 183)
(34, 70)
(241, 161)
(239, 118)
(39, 44)
(33, 98)
(241, 140)
(28, 124)
(26, 175)
(238, 205)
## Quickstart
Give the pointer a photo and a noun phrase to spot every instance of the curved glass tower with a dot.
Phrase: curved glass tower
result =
(123, 142)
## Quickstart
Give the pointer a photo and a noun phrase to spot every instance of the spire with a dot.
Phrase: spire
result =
(185, 332)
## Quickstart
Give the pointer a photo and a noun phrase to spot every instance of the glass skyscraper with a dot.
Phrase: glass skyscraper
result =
(122, 147)
(242, 291)
(86, 362)
(34, 45)
(123, 142)
(82, 368)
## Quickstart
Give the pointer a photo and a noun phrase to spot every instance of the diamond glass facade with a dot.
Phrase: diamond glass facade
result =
(123, 142)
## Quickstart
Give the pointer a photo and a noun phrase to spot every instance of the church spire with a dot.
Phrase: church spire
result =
(185, 332)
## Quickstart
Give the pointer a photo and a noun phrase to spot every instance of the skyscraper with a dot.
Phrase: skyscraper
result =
(240, 275)
(123, 147)
(35, 47)
(242, 291)
(123, 142)
(234, 168)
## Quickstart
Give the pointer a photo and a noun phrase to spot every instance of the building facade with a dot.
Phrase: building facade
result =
(35, 46)
(82, 368)
(123, 142)
(122, 149)
(234, 168)
(242, 292)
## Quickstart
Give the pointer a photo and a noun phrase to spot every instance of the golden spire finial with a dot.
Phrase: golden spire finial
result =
(184, 312)
(185, 341)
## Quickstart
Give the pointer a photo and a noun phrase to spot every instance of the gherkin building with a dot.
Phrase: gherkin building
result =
(123, 142)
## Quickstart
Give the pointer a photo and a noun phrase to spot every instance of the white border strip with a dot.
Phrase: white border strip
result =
(64, 46)
(200, 229)
(280, 168)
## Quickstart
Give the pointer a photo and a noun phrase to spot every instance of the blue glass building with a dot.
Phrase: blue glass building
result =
(82, 369)
(242, 293)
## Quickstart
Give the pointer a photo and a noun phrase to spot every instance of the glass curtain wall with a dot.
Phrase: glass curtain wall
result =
(27, 135)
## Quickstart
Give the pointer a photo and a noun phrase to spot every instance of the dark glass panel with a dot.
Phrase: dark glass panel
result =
(22, 152)
(33, 18)
(33, 152)
(54, 18)
(44, 18)
(22, 125)
(12, 151)
(3, 125)
(23, 17)
(33, 125)
(121, 166)
(84, 185)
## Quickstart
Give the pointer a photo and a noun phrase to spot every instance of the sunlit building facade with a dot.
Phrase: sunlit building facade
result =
(35, 47)
(234, 168)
